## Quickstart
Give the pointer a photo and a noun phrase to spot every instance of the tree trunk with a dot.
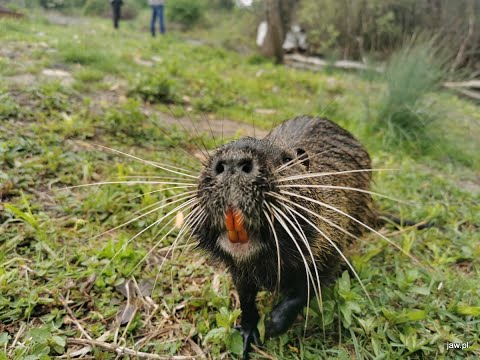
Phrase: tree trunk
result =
(470, 12)
(279, 14)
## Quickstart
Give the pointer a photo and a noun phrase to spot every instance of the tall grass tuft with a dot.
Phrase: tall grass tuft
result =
(406, 112)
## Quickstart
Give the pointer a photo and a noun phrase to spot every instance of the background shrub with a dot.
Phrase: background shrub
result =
(130, 11)
(185, 12)
(412, 73)
(97, 8)
(102, 8)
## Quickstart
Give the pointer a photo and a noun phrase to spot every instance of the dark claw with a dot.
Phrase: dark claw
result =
(250, 337)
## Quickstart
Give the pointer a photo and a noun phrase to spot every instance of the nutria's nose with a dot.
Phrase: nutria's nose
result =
(242, 166)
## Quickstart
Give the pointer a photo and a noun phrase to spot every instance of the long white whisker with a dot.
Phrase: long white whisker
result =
(314, 175)
(192, 215)
(299, 160)
(341, 254)
(344, 188)
(195, 216)
(207, 155)
(141, 216)
(156, 244)
(354, 219)
(179, 207)
(199, 136)
(267, 216)
(164, 189)
(303, 237)
(190, 193)
(320, 300)
(146, 176)
(195, 224)
(324, 235)
(189, 171)
(328, 221)
(129, 183)
(288, 164)
(160, 241)
(308, 273)
(172, 142)
(182, 230)
(163, 167)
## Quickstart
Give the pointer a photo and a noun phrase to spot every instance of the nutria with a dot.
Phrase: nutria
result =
(279, 211)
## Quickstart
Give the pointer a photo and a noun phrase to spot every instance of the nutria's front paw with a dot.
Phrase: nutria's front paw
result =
(283, 315)
(250, 336)
(276, 325)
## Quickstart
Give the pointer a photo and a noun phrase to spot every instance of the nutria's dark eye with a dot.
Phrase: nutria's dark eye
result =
(219, 167)
(246, 166)
(286, 159)
(303, 157)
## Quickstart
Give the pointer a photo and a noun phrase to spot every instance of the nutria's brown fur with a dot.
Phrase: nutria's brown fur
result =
(331, 150)
(247, 174)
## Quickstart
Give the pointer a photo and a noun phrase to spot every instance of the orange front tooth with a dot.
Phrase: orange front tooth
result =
(229, 220)
(234, 224)
(243, 236)
(238, 220)
(233, 236)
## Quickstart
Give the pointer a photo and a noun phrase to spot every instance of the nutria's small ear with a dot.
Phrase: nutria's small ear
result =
(303, 158)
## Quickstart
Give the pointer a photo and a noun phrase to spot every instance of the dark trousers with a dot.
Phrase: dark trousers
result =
(116, 6)
(157, 10)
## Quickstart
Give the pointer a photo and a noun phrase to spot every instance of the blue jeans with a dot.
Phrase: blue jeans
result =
(157, 10)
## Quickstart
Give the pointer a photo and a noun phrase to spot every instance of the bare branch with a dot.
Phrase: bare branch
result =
(126, 351)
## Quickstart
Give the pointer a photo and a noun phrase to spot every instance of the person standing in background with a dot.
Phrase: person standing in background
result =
(157, 10)
(116, 7)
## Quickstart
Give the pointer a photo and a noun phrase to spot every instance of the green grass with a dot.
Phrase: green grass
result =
(406, 114)
(50, 248)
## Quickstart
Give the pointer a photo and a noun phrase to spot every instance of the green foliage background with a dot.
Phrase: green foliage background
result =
(358, 29)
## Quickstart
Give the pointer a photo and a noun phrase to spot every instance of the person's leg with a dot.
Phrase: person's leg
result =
(119, 13)
(152, 21)
(116, 14)
(113, 14)
(161, 19)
